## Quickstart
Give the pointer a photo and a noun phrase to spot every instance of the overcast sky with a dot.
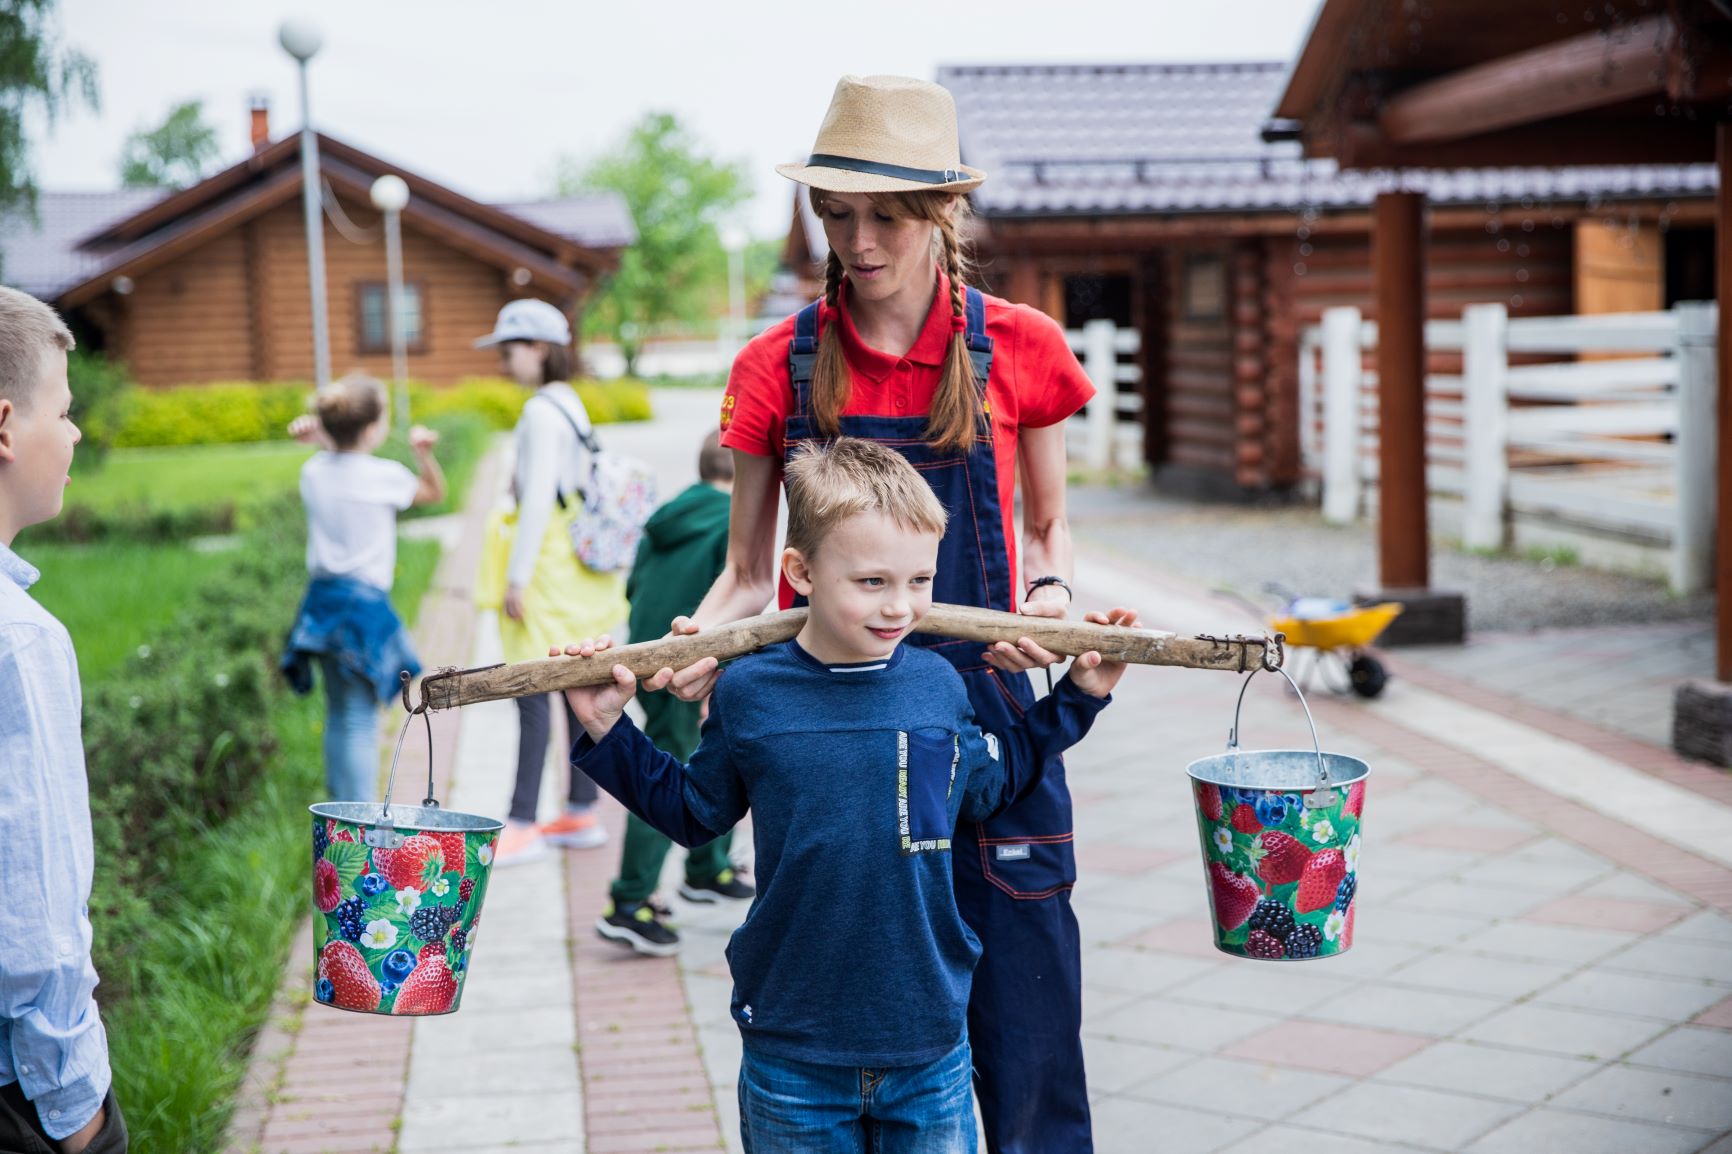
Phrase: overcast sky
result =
(485, 96)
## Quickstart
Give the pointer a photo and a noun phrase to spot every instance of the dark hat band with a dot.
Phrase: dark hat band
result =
(876, 168)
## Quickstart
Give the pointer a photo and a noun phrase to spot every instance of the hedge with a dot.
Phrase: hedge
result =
(243, 411)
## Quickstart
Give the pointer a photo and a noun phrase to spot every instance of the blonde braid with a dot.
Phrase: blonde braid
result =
(831, 379)
(956, 408)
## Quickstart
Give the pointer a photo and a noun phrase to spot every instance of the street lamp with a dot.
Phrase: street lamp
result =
(301, 40)
(390, 194)
(734, 239)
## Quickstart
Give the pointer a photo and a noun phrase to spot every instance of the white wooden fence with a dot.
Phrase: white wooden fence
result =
(1105, 435)
(1621, 447)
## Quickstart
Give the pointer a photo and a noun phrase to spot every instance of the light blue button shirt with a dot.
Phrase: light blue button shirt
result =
(51, 1037)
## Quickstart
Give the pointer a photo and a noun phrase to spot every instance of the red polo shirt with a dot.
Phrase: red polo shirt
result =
(1036, 381)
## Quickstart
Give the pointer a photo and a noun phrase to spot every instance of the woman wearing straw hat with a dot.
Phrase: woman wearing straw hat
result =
(970, 388)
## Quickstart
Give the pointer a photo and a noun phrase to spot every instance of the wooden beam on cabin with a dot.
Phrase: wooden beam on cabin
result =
(1398, 255)
(1723, 350)
(1592, 70)
(1587, 139)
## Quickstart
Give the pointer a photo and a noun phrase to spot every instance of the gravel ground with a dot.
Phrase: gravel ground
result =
(1243, 548)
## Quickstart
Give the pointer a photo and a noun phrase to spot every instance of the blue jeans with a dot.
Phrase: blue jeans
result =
(351, 734)
(793, 1107)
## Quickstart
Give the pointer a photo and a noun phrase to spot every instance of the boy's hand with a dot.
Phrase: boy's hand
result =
(598, 707)
(695, 681)
(422, 439)
(1093, 675)
(305, 429)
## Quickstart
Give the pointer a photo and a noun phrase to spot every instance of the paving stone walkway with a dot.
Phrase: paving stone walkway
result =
(1543, 955)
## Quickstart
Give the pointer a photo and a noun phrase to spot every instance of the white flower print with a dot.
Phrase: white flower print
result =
(379, 935)
(1334, 924)
(441, 888)
(408, 899)
(1322, 831)
(1223, 841)
(485, 854)
(1352, 855)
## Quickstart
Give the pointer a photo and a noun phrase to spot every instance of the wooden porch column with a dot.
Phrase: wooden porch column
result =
(1723, 350)
(1398, 267)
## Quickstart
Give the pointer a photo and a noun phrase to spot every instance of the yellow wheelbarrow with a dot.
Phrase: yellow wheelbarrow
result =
(1330, 639)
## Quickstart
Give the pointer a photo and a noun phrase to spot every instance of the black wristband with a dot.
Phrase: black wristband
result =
(1059, 581)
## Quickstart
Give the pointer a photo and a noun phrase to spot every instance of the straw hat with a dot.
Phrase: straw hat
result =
(887, 134)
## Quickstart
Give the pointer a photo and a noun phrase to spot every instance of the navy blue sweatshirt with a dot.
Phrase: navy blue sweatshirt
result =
(853, 953)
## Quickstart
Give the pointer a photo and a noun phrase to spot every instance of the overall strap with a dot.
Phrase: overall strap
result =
(979, 344)
(803, 354)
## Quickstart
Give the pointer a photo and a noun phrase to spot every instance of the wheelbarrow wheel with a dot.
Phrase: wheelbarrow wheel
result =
(1368, 675)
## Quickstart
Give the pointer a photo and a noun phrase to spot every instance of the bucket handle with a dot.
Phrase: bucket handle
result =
(386, 825)
(1317, 746)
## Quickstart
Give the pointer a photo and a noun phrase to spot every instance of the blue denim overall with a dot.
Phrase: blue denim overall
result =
(1013, 874)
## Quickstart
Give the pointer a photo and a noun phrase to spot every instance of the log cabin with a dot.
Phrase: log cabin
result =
(209, 283)
(1165, 198)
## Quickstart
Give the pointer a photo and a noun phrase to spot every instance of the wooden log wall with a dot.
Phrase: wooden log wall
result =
(237, 308)
(1199, 382)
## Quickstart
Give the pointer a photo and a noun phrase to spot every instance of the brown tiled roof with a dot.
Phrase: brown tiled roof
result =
(1160, 139)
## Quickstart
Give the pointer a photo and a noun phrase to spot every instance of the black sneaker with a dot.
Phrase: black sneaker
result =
(635, 924)
(726, 886)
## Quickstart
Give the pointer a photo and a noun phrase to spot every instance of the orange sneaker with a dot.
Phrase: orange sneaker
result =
(521, 842)
(575, 829)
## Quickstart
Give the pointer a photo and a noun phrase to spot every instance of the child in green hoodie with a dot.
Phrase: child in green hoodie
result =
(682, 552)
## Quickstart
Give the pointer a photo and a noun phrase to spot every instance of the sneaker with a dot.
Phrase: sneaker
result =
(575, 829)
(636, 925)
(521, 842)
(726, 886)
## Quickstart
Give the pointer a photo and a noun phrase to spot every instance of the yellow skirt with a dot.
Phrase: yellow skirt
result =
(565, 601)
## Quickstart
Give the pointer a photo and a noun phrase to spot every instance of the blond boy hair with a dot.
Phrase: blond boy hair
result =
(827, 484)
(28, 328)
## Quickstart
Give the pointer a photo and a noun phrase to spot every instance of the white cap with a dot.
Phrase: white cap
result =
(528, 320)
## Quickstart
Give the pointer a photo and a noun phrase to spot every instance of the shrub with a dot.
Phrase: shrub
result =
(101, 390)
(238, 412)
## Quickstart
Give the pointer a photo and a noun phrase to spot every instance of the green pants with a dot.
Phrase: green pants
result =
(644, 851)
(673, 726)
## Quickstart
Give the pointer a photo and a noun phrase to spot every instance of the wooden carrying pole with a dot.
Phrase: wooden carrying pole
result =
(454, 688)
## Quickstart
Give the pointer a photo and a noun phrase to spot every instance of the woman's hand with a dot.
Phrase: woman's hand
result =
(694, 682)
(514, 602)
(1093, 674)
(1047, 601)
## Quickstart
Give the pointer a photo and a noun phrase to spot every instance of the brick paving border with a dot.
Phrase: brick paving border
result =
(1706, 881)
(332, 1082)
(1697, 776)
(645, 1088)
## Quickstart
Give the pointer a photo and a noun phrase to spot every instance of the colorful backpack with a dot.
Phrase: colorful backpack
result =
(618, 500)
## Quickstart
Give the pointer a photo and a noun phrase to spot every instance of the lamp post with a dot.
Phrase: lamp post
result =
(390, 194)
(734, 239)
(301, 40)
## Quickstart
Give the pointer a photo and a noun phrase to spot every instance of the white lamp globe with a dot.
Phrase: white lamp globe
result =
(300, 39)
(389, 193)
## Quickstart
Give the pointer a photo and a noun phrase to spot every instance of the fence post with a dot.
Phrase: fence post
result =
(1693, 532)
(1343, 384)
(1101, 361)
(1485, 401)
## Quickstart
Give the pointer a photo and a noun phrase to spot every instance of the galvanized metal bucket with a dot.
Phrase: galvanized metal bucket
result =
(397, 893)
(1281, 842)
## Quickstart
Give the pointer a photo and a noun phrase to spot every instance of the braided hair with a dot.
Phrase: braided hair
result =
(957, 415)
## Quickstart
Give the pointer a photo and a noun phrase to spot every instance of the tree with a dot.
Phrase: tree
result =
(177, 153)
(677, 270)
(37, 77)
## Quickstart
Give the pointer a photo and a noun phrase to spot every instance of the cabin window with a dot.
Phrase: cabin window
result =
(1204, 292)
(373, 306)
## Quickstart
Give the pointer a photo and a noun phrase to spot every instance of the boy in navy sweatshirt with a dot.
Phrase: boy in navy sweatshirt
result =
(856, 755)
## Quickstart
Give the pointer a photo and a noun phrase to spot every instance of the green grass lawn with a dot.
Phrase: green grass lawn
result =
(115, 596)
(189, 478)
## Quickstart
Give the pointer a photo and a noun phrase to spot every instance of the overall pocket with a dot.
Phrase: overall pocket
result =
(926, 763)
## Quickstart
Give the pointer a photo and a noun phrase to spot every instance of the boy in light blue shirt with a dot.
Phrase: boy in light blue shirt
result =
(54, 1074)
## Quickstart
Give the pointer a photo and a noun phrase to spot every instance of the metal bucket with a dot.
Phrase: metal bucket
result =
(1281, 841)
(397, 894)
